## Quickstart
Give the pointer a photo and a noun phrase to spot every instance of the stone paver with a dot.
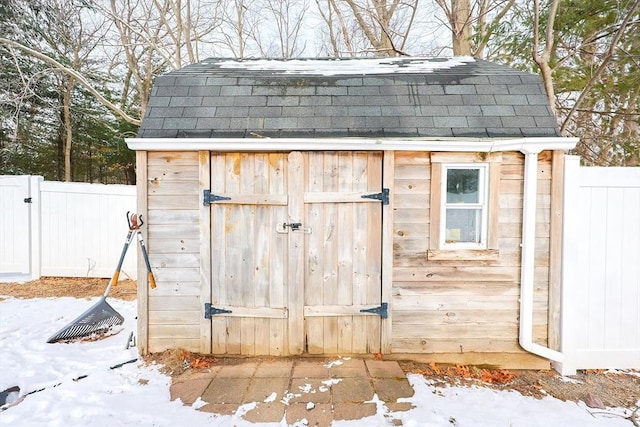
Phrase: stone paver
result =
(310, 390)
(320, 415)
(353, 411)
(310, 369)
(189, 390)
(274, 369)
(261, 388)
(392, 389)
(348, 368)
(266, 413)
(243, 370)
(226, 390)
(352, 390)
(316, 390)
(384, 369)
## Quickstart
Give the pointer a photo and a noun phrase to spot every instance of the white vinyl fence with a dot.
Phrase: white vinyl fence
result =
(63, 229)
(601, 268)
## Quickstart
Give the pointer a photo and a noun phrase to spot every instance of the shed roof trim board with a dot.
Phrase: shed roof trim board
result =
(488, 145)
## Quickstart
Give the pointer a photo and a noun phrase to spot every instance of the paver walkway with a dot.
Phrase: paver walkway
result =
(316, 390)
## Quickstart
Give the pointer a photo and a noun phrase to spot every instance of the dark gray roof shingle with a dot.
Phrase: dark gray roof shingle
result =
(386, 97)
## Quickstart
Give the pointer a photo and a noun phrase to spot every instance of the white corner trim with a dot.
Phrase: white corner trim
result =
(525, 145)
(527, 268)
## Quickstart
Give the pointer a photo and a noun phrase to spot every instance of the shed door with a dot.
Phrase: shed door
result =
(296, 253)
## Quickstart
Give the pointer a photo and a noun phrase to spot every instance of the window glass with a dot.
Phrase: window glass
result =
(463, 226)
(464, 208)
(463, 185)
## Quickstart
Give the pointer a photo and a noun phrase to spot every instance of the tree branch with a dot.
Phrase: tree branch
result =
(603, 65)
(79, 77)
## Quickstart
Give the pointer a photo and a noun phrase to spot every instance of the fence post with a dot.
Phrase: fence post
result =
(35, 234)
(570, 239)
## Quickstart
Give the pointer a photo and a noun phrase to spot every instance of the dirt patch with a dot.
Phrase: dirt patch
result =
(595, 387)
(76, 287)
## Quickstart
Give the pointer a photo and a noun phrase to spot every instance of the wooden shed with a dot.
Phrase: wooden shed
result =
(403, 206)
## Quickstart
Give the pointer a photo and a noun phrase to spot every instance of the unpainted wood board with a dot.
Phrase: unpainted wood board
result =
(493, 360)
(439, 289)
(158, 345)
(182, 231)
(516, 171)
(412, 158)
(344, 250)
(179, 303)
(174, 188)
(405, 230)
(314, 259)
(453, 345)
(412, 186)
(277, 264)
(514, 216)
(174, 260)
(170, 289)
(187, 274)
(412, 171)
(461, 273)
(175, 317)
(174, 331)
(174, 173)
(331, 179)
(492, 330)
(413, 201)
(171, 158)
(296, 254)
(177, 245)
(463, 286)
(457, 302)
(419, 215)
(461, 317)
(515, 186)
(388, 177)
(143, 288)
(465, 157)
(174, 202)
(170, 217)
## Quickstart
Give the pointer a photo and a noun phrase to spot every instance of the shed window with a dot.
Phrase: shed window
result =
(464, 211)
(464, 206)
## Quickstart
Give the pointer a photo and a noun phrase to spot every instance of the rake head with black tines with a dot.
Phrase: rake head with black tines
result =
(100, 318)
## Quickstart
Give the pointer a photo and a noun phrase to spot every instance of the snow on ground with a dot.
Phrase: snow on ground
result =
(73, 385)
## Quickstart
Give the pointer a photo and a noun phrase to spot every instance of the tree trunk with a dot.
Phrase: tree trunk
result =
(461, 27)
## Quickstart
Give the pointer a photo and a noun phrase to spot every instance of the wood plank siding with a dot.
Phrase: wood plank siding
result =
(173, 240)
(470, 304)
(441, 304)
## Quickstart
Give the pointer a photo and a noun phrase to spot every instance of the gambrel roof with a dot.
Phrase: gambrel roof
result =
(319, 98)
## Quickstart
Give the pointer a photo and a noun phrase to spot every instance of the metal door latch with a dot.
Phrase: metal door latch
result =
(293, 226)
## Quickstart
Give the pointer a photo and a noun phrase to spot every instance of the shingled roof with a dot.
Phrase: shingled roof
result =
(316, 98)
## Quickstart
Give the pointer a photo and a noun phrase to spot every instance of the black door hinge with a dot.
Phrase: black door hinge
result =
(380, 311)
(209, 311)
(383, 196)
(209, 197)
(27, 200)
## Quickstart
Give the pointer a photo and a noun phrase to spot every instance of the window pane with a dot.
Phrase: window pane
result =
(463, 226)
(462, 185)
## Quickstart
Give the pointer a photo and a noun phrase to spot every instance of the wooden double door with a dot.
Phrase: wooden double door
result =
(296, 252)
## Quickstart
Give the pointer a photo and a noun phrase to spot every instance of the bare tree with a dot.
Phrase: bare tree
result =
(472, 23)
(379, 27)
(288, 17)
(542, 57)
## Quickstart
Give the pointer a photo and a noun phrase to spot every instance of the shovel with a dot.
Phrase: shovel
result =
(101, 317)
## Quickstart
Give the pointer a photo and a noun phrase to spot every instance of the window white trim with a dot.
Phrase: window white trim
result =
(492, 185)
(481, 205)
